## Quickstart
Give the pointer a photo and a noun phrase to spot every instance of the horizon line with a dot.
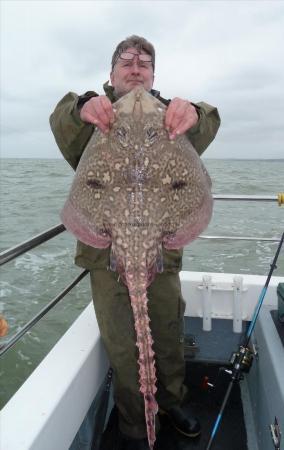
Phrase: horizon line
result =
(207, 157)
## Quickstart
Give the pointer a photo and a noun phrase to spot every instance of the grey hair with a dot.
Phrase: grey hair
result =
(137, 42)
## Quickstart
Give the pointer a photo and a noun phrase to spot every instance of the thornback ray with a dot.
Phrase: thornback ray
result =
(137, 191)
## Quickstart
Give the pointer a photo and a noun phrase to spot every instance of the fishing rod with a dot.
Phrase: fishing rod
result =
(243, 358)
(102, 413)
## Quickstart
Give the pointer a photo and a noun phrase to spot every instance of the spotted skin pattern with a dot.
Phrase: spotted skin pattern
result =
(136, 191)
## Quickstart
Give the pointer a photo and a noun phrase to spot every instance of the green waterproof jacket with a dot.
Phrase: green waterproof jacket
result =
(72, 135)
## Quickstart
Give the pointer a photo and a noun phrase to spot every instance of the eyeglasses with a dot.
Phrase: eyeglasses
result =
(127, 56)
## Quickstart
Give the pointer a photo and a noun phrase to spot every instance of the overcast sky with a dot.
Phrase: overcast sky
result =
(226, 53)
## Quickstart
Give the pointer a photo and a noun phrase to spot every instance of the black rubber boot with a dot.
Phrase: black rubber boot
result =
(135, 444)
(183, 421)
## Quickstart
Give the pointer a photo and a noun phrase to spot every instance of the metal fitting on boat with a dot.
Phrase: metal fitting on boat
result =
(276, 434)
(281, 198)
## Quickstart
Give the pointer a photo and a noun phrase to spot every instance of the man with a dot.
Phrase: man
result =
(73, 122)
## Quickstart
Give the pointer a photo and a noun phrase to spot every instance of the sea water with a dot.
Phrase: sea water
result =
(32, 193)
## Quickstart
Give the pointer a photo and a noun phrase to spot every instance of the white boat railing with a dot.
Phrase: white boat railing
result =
(13, 252)
(239, 238)
(5, 347)
(10, 254)
(252, 198)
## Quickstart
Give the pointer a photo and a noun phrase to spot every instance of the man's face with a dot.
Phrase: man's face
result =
(128, 74)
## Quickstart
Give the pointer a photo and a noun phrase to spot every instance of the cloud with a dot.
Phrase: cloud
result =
(224, 53)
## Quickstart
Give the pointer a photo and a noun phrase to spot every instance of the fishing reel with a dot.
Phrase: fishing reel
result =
(242, 360)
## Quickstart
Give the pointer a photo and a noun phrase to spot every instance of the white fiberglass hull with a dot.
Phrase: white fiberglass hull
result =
(49, 408)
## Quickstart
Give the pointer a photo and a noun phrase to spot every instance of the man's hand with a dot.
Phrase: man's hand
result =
(180, 117)
(98, 111)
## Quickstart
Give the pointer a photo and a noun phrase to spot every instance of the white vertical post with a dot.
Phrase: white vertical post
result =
(207, 307)
(237, 309)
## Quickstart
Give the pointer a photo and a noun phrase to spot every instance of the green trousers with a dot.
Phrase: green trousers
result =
(114, 315)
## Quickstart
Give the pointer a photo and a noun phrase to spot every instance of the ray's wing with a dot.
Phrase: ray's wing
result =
(84, 211)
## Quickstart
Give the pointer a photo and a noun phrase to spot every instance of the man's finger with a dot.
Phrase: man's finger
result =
(90, 118)
(100, 113)
(107, 106)
(185, 116)
(98, 109)
(86, 116)
(103, 127)
(169, 114)
(175, 113)
(182, 127)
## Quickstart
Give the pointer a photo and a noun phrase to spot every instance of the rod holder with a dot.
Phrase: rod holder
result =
(207, 303)
(237, 304)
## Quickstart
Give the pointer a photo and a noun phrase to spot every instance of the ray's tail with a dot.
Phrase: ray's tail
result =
(147, 371)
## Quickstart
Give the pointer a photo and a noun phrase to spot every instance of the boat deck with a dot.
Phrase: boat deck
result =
(205, 404)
